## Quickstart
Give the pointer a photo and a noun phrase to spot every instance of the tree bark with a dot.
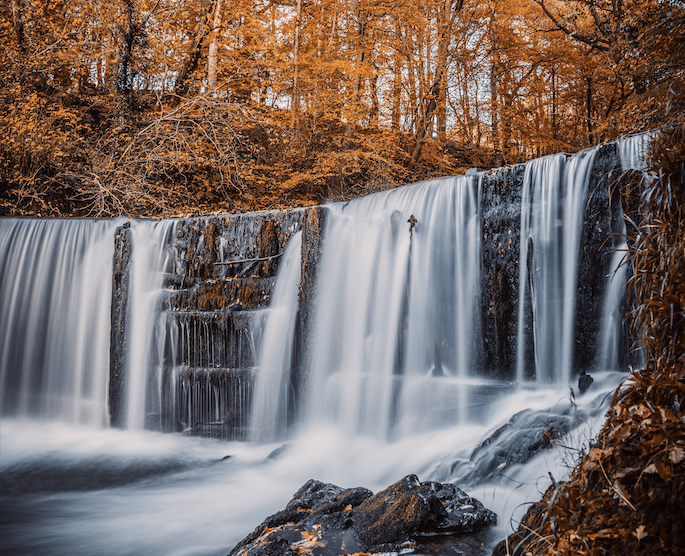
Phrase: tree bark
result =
(130, 35)
(295, 106)
(444, 39)
(213, 58)
(361, 56)
(426, 118)
(18, 24)
(193, 54)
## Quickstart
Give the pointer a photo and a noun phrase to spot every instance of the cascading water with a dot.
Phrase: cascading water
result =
(632, 150)
(55, 295)
(390, 382)
(393, 293)
(554, 196)
(147, 327)
(273, 393)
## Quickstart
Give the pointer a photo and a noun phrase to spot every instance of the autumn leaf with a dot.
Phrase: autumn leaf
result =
(640, 532)
(676, 454)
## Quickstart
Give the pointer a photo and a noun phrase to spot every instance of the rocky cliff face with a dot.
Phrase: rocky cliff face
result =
(220, 273)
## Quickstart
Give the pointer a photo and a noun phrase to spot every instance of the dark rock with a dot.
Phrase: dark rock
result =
(584, 382)
(328, 520)
(315, 508)
(119, 327)
(278, 451)
(500, 227)
(55, 474)
(411, 510)
(394, 515)
(525, 435)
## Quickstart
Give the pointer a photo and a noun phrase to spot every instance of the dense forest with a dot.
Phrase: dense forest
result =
(159, 107)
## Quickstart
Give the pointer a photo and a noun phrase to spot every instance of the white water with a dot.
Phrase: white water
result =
(148, 260)
(388, 298)
(554, 195)
(55, 295)
(209, 505)
(632, 150)
(273, 388)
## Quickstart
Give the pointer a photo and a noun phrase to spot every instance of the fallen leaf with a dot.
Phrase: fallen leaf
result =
(651, 469)
(676, 455)
(640, 532)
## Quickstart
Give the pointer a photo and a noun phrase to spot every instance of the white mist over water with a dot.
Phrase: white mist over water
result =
(209, 504)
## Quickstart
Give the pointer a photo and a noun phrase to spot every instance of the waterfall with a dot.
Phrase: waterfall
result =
(55, 300)
(273, 393)
(393, 292)
(395, 345)
(614, 308)
(632, 150)
(375, 357)
(147, 325)
(55, 295)
(554, 197)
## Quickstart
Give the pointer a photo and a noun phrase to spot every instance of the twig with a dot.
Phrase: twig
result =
(240, 261)
(614, 488)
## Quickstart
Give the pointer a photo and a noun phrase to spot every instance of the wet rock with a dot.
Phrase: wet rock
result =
(313, 510)
(411, 510)
(584, 382)
(278, 452)
(119, 333)
(525, 435)
(500, 229)
(324, 519)
(56, 474)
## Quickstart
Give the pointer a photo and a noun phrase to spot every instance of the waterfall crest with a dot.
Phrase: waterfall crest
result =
(554, 197)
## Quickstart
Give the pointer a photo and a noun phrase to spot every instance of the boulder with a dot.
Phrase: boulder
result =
(326, 520)
(410, 510)
(525, 435)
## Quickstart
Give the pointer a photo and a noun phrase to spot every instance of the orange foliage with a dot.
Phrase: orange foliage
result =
(108, 108)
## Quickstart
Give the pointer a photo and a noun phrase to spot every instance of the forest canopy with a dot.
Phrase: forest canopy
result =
(159, 107)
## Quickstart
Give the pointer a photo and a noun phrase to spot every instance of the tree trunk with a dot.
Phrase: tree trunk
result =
(361, 56)
(130, 35)
(590, 132)
(426, 119)
(18, 24)
(443, 44)
(212, 57)
(193, 54)
(396, 85)
(494, 70)
(295, 106)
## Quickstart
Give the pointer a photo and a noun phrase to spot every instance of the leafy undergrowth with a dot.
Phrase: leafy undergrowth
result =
(68, 156)
(627, 492)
